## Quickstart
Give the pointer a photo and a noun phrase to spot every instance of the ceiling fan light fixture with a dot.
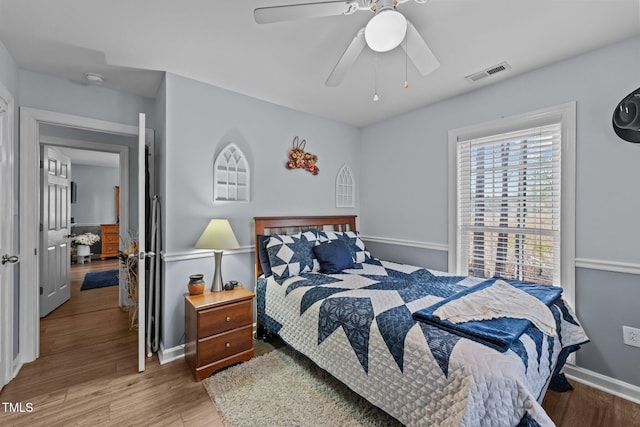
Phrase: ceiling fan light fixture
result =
(386, 30)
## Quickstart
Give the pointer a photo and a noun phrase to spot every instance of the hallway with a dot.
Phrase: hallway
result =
(88, 326)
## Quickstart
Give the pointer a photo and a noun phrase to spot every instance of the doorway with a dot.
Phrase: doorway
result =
(30, 122)
(93, 209)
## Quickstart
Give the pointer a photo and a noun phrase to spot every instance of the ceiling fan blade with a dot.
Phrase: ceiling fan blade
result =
(420, 54)
(347, 59)
(267, 15)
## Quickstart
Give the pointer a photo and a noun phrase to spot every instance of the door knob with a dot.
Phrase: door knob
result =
(9, 259)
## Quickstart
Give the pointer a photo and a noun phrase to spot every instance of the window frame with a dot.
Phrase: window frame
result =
(565, 114)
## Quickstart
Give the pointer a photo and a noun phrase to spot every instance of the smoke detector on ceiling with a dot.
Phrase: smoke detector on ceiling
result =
(94, 78)
(503, 66)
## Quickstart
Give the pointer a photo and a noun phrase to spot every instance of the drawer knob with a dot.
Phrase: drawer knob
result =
(227, 345)
(228, 319)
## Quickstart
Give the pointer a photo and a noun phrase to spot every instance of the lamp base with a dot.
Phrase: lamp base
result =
(216, 284)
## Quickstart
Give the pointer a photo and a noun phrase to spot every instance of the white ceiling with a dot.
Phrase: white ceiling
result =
(218, 42)
(91, 158)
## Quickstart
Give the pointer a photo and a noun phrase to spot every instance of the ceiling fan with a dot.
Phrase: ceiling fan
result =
(387, 29)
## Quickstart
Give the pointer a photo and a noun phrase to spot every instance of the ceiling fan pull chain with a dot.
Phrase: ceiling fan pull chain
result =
(375, 78)
(406, 60)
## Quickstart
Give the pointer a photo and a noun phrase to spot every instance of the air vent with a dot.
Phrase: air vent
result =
(488, 72)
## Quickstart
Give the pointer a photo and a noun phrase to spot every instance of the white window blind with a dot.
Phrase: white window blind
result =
(509, 204)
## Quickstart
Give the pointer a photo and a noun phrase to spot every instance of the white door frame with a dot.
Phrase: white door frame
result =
(7, 296)
(30, 120)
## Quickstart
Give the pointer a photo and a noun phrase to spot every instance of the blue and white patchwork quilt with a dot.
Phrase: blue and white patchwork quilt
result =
(358, 325)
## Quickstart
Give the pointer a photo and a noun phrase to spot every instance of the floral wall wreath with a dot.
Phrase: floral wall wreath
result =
(299, 159)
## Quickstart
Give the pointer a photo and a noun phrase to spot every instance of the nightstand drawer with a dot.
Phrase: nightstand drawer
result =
(220, 319)
(224, 345)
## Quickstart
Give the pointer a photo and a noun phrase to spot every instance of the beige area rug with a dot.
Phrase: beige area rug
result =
(284, 388)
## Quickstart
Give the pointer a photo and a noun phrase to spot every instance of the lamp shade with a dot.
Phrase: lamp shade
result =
(218, 236)
(386, 30)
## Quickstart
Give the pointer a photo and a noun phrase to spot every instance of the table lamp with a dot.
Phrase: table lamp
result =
(217, 236)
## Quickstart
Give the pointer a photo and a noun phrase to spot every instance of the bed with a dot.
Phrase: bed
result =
(361, 325)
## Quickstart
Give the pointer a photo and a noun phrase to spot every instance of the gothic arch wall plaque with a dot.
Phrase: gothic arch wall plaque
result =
(345, 188)
(231, 176)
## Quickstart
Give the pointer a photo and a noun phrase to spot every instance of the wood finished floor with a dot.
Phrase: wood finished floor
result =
(87, 375)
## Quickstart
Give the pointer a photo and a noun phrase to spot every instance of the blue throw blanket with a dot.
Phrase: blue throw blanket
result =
(499, 333)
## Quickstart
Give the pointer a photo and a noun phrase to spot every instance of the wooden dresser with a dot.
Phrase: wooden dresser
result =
(218, 330)
(110, 240)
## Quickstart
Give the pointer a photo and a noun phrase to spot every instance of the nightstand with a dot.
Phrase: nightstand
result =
(110, 240)
(218, 330)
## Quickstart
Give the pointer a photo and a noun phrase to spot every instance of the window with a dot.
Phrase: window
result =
(513, 194)
(231, 176)
(345, 188)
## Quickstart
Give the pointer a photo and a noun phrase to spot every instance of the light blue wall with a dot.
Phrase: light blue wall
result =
(200, 121)
(96, 202)
(160, 156)
(8, 71)
(63, 96)
(414, 188)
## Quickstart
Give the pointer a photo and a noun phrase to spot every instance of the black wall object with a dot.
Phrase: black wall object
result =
(626, 117)
(74, 192)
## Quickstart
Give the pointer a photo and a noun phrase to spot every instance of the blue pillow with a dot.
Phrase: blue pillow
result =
(263, 255)
(333, 256)
(358, 251)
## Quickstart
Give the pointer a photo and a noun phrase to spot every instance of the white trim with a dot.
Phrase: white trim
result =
(602, 382)
(166, 355)
(142, 220)
(407, 243)
(185, 256)
(593, 264)
(564, 113)
(614, 266)
(30, 120)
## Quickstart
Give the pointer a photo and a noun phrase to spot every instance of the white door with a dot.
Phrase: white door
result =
(55, 263)
(6, 236)
(142, 217)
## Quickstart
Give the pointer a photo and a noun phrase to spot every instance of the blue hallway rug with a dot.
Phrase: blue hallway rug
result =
(100, 279)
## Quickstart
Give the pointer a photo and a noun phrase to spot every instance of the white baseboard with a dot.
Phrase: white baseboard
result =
(602, 382)
(16, 366)
(166, 355)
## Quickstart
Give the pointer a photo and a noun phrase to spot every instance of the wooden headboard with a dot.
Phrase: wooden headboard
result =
(267, 225)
